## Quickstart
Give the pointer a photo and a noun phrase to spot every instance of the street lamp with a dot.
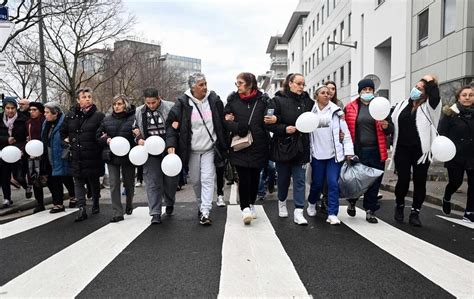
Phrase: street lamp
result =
(353, 45)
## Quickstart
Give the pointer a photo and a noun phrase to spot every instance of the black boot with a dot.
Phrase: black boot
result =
(415, 218)
(399, 216)
(81, 215)
(39, 208)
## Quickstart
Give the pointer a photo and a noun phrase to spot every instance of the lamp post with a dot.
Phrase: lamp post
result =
(42, 62)
(353, 45)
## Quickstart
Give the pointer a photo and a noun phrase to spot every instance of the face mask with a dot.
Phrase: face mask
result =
(415, 94)
(367, 96)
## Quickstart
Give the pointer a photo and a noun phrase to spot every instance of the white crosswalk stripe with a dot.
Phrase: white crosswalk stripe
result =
(457, 221)
(69, 271)
(26, 223)
(452, 273)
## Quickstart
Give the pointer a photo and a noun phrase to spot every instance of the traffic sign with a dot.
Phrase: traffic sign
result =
(6, 28)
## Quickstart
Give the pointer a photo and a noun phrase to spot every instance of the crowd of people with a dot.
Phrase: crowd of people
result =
(252, 134)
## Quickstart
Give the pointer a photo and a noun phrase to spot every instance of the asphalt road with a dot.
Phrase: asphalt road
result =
(181, 258)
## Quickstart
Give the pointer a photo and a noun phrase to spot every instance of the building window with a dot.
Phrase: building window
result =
(306, 39)
(342, 75)
(328, 78)
(313, 61)
(341, 36)
(309, 65)
(322, 15)
(292, 56)
(327, 43)
(349, 72)
(380, 2)
(349, 24)
(423, 29)
(317, 56)
(302, 42)
(309, 34)
(328, 6)
(322, 52)
(333, 3)
(305, 68)
(313, 28)
(334, 37)
(317, 22)
(302, 68)
(449, 16)
(334, 76)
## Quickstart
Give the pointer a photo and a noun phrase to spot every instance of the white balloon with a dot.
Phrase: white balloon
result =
(138, 155)
(34, 148)
(171, 165)
(11, 154)
(119, 146)
(379, 108)
(155, 145)
(307, 122)
(443, 149)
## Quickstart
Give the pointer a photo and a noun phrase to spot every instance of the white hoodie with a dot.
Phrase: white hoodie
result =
(200, 140)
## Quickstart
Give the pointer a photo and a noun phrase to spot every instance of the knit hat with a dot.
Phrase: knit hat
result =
(366, 83)
(9, 100)
(318, 89)
(38, 105)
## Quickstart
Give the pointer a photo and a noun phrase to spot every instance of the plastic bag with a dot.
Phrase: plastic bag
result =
(356, 178)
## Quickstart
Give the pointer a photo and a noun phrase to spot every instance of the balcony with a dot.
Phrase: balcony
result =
(278, 62)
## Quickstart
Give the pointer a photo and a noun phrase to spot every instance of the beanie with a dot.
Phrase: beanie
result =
(9, 100)
(38, 105)
(366, 83)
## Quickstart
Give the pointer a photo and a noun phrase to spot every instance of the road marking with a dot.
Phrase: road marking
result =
(458, 221)
(29, 222)
(69, 271)
(233, 194)
(254, 263)
(449, 271)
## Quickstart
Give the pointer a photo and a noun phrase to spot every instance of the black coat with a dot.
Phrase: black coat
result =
(288, 107)
(81, 129)
(117, 125)
(458, 125)
(256, 155)
(180, 139)
(18, 132)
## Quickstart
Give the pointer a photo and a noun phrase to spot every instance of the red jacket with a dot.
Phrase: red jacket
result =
(352, 110)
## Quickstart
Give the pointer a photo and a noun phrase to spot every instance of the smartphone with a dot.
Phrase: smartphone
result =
(270, 112)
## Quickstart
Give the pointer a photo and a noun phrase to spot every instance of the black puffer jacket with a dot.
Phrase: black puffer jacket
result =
(180, 139)
(86, 152)
(458, 125)
(256, 155)
(288, 107)
(18, 132)
(114, 125)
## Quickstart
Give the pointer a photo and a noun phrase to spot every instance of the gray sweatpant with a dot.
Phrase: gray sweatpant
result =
(128, 173)
(202, 174)
(158, 185)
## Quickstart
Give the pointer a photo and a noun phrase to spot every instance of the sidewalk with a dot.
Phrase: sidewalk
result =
(437, 181)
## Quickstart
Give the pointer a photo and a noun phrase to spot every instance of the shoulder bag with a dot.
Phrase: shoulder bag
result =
(239, 143)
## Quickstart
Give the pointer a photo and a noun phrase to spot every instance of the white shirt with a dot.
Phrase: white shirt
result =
(321, 139)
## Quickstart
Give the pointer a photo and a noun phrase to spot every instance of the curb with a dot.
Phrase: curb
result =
(25, 206)
(429, 198)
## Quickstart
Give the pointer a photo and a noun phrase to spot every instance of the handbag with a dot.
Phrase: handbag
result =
(219, 157)
(285, 149)
(66, 153)
(240, 143)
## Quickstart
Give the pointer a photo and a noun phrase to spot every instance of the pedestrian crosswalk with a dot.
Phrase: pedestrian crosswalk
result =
(272, 257)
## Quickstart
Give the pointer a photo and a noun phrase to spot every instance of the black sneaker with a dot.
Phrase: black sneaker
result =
(415, 218)
(81, 215)
(156, 219)
(370, 217)
(205, 220)
(446, 207)
(169, 210)
(6, 203)
(95, 210)
(129, 210)
(399, 213)
(38, 209)
(351, 209)
(468, 217)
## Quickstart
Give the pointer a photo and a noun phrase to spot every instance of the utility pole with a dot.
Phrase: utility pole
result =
(42, 62)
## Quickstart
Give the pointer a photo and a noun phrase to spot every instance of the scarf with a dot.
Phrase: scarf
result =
(252, 94)
(465, 110)
(9, 122)
(34, 126)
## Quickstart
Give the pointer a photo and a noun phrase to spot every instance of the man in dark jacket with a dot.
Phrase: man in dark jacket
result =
(79, 131)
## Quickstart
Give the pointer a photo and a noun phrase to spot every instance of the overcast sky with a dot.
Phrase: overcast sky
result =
(228, 36)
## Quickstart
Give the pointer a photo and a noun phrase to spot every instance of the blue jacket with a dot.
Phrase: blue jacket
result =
(59, 166)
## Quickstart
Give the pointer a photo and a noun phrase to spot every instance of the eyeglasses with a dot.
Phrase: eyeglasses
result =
(238, 83)
(300, 84)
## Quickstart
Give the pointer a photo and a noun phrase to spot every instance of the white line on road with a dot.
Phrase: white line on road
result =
(233, 194)
(29, 222)
(69, 271)
(458, 221)
(449, 271)
(254, 263)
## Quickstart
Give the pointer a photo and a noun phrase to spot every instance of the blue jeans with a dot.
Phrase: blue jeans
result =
(285, 172)
(325, 169)
(371, 157)
(267, 174)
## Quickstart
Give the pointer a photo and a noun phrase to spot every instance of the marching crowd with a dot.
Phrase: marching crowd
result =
(252, 134)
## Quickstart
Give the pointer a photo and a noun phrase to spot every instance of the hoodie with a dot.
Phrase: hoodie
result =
(200, 140)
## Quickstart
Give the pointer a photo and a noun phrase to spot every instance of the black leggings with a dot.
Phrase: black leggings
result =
(248, 185)
(7, 170)
(220, 180)
(456, 176)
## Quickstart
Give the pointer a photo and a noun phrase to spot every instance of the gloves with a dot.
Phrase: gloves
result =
(432, 90)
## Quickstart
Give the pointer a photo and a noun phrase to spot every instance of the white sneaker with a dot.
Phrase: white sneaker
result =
(299, 218)
(282, 210)
(247, 216)
(253, 211)
(332, 219)
(220, 201)
(311, 210)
